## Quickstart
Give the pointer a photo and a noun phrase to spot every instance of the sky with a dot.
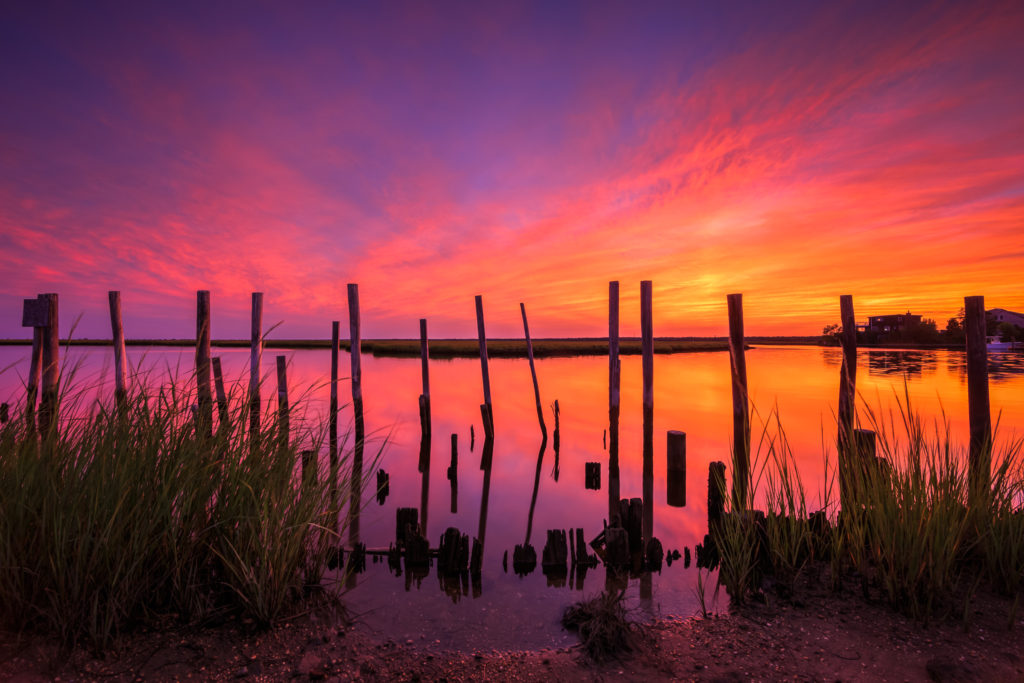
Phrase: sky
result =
(526, 152)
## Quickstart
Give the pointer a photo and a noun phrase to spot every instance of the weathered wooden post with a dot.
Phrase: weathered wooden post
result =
(120, 368)
(283, 420)
(977, 400)
(35, 314)
(847, 395)
(48, 404)
(488, 411)
(676, 469)
(533, 372)
(647, 341)
(613, 398)
(5, 414)
(222, 396)
(355, 351)
(255, 355)
(204, 398)
(740, 410)
(332, 421)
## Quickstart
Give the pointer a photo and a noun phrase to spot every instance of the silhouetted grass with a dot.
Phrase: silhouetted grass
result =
(117, 518)
(908, 534)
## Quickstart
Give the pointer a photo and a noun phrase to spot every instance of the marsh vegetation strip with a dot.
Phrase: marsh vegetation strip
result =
(691, 393)
(439, 348)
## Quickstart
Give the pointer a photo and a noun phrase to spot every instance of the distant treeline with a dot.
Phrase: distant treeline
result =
(466, 348)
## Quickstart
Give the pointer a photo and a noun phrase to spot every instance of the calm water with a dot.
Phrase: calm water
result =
(692, 394)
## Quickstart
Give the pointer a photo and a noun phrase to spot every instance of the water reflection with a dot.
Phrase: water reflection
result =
(692, 394)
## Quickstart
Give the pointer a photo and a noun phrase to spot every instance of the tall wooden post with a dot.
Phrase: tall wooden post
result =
(48, 404)
(977, 399)
(847, 395)
(482, 335)
(255, 355)
(332, 438)
(740, 409)
(355, 351)
(647, 343)
(614, 369)
(533, 373)
(120, 368)
(204, 418)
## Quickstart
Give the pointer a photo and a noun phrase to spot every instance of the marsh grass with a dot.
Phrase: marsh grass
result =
(604, 629)
(122, 517)
(910, 536)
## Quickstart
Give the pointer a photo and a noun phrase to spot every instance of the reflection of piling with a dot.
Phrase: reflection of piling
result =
(523, 553)
(476, 560)
(204, 414)
(614, 368)
(740, 411)
(487, 411)
(980, 455)
(332, 422)
(255, 355)
(355, 349)
(647, 342)
(716, 495)
(222, 395)
(50, 366)
(533, 373)
(556, 438)
(453, 473)
(120, 367)
(676, 457)
(847, 395)
(283, 419)
(425, 395)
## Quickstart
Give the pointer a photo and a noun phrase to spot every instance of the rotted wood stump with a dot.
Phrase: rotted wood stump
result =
(593, 476)
(556, 550)
(405, 519)
(524, 559)
(453, 552)
(383, 486)
(654, 555)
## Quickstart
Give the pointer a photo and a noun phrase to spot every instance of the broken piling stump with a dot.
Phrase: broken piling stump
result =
(716, 494)
(405, 518)
(556, 550)
(593, 476)
(654, 555)
(383, 486)
(453, 552)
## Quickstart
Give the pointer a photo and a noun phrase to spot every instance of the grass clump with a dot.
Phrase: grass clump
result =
(911, 533)
(601, 621)
(127, 516)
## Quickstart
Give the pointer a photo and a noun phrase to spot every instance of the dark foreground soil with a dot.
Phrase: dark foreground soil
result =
(826, 637)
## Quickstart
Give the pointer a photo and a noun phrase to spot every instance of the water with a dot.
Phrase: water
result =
(691, 393)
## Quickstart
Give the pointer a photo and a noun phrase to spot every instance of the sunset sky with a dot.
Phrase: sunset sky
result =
(434, 151)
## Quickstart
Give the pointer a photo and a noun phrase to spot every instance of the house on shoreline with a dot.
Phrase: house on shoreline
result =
(1001, 315)
(884, 324)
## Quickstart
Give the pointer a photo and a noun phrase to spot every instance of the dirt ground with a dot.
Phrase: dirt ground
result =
(826, 637)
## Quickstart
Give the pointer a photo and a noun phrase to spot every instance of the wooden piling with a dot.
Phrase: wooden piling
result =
(308, 460)
(647, 343)
(533, 372)
(120, 367)
(614, 375)
(592, 476)
(332, 425)
(222, 396)
(488, 414)
(740, 410)
(255, 355)
(980, 453)
(355, 351)
(204, 397)
(676, 477)
(48, 404)
(847, 394)
(283, 419)
(5, 414)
